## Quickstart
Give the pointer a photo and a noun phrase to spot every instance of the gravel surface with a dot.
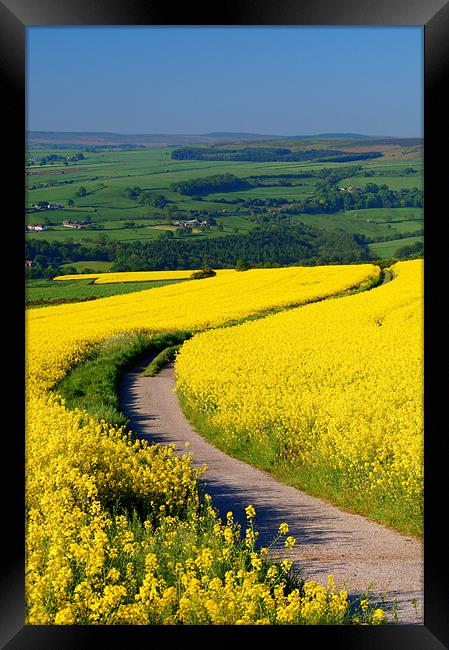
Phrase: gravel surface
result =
(358, 552)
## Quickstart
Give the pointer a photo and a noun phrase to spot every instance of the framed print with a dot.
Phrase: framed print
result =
(226, 342)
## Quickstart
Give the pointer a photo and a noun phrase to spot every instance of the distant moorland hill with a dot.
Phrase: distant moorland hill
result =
(94, 138)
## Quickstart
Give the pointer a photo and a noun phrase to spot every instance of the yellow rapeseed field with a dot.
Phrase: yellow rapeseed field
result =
(58, 336)
(135, 276)
(116, 532)
(333, 390)
(78, 276)
(129, 276)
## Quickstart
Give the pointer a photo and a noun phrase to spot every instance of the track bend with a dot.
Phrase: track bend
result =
(358, 552)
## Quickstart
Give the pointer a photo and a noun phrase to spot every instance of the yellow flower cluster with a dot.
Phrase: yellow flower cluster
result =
(116, 532)
(87, 566)
(142, 276)
(78, 276)
(78, 471)
(336, 386)
(133, 276)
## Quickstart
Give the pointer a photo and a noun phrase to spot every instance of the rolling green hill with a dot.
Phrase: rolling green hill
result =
(133, 193)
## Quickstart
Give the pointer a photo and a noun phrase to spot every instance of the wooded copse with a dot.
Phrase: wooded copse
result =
(210, 184)
(331, 199)
(267, 245)
(153, 199)
(270, 154)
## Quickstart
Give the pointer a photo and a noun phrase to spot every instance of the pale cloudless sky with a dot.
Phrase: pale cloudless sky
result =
(269, 80)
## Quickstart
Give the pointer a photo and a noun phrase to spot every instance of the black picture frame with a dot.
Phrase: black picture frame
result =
(433, 15)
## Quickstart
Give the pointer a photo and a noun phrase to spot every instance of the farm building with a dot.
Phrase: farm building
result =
(74, 224)
(44, 205)
(36, 227)
(191, 223)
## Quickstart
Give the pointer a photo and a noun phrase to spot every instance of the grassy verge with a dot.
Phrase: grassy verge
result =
(159, 342)
(164, 346)
(161, 360)
(45, 293)
(93, 384)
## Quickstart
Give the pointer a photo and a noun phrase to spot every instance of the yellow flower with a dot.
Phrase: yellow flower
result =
(250, 512)
(378, 615)
(272, 572)
(256, 562)
(114, 575)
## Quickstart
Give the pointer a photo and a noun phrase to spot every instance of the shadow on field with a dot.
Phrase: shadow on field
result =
(270, 513)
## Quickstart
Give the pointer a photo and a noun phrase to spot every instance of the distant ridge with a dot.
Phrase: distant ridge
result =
(212, 134)
(336, 135)
(173, 139)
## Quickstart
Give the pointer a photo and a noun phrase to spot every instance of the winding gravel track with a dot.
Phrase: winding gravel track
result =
(358, 552)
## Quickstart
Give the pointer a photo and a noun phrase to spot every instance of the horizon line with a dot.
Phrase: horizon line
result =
(226, 133)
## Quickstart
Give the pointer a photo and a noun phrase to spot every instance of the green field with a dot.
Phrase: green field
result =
(395, 182)
(94, 266)
(388, 248)
(41, 293)
(106, 175)
(372, 222)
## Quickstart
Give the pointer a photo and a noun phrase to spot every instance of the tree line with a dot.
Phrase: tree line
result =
(146, 197)
(272, 245)
(230, 182)
(270, 154)
(331, 199)
(267, 245)
(54, 157)
(210, 184)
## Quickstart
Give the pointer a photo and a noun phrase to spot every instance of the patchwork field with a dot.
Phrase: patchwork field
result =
(390, 248)
(105, 177)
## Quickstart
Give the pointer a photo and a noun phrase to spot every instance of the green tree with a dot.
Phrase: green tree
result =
(242, 265)
(205, 272)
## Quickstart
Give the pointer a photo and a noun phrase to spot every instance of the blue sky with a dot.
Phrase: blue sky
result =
(270, 80)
